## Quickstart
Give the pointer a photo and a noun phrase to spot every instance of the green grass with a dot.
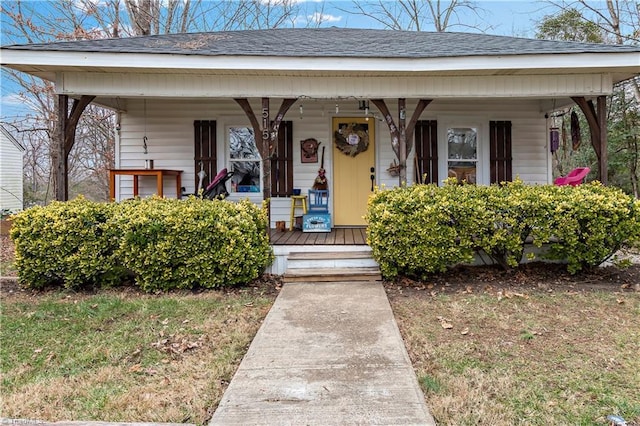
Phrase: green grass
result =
(123, 356)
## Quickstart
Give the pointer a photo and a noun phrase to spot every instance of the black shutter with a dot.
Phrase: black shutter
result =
(500, 151)
(282, 162)
(426, 142)
(205, 150)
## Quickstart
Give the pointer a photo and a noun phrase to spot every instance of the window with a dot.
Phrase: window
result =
(244, 160)
(462, 154)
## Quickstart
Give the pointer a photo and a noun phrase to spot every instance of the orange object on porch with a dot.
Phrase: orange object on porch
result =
(136, 173)
(574, 178)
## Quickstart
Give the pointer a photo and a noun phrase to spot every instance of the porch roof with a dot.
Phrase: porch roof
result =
(322, 51)
(329, 42)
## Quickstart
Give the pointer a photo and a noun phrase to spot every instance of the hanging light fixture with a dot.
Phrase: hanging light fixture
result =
(363, 105)
(301, 111)
(337, 109)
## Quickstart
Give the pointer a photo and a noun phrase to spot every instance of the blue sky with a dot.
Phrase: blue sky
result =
(514, 18)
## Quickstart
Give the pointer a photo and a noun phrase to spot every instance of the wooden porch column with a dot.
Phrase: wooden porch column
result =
(597, 120)
(266, 135)
(402, 135)
(64, 139)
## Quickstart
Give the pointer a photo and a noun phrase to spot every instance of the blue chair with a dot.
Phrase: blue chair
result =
(318, 201)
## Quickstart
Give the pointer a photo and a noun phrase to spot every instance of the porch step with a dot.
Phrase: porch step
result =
(332, 274)
(332, 259)
(332, 266)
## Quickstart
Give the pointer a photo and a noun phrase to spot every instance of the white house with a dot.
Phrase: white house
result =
(11, 159)
(443, 104)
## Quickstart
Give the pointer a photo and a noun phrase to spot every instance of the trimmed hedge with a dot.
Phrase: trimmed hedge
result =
(423, 229)
(165, 244)
(67, 244)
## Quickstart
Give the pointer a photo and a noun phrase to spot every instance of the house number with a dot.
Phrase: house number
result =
(265, 123)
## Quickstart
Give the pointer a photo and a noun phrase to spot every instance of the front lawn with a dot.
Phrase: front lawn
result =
(559, 350)
(124, 356)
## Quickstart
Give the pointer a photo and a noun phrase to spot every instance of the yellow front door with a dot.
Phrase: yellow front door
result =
(353, 166)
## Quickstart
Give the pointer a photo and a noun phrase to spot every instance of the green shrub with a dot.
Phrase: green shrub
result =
(420, 229)
(514, 212)
(171, 244)
(164, 243)
(66, 244)
(592, 222)
(423, 229)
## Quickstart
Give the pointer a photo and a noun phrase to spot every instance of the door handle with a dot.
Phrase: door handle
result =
(373, 177)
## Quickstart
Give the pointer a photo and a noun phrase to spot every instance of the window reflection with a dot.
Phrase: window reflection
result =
(244, 160)
(462, 153)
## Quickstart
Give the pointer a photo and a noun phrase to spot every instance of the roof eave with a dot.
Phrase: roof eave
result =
(150, 61)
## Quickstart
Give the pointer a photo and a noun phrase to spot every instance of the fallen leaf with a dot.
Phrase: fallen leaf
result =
(37, 351)
(445, 323)
(186, 321)
(620, 301)
(465, 331)
(136, 368)
(165, 322)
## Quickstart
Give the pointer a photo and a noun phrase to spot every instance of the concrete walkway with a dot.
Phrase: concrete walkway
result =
(326, 354)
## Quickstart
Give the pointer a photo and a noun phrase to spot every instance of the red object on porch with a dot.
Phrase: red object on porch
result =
(574, 178)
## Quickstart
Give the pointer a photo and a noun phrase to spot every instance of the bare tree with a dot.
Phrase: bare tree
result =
(57, 20)
(616, 22)
(419, 15)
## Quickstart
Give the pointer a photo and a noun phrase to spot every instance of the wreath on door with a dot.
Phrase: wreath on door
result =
(352, 138)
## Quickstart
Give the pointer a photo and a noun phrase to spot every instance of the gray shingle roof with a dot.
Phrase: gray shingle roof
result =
(328, 42)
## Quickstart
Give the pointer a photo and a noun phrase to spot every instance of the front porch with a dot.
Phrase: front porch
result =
(352, 236)
(347, 245)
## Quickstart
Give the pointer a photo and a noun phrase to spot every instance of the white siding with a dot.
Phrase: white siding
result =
(11, 185)
(169, 128)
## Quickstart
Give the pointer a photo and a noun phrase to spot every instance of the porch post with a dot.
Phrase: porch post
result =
(266, 153)
(603, 163)
(598, 129)
(58, 157)
(402, 149)
(64, 139)
(267, 130)
(401, 136)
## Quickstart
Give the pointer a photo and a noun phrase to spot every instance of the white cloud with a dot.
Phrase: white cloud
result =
(320, 18)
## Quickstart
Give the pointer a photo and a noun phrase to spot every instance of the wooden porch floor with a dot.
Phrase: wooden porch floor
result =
(337, 237)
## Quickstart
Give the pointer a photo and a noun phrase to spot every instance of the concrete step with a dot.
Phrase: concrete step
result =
(338, 259)
(332, 274)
